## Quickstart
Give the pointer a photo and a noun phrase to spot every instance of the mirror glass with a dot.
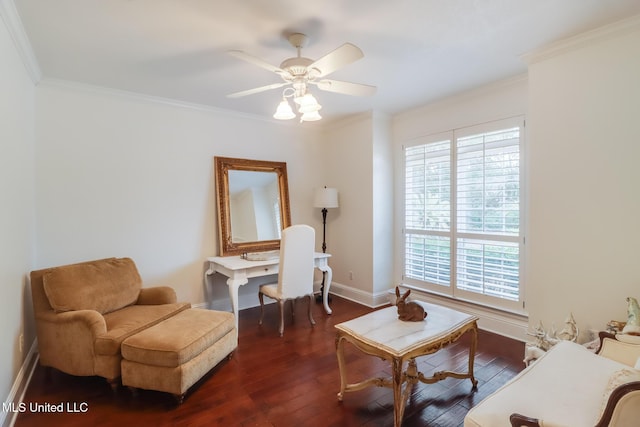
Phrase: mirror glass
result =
(253, 204)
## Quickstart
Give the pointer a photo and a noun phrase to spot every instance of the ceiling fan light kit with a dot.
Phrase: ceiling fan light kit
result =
(300, 73)
(308, 106)
(310, 117)
(284, 111)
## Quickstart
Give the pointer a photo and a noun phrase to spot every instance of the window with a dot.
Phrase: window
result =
(463, 217)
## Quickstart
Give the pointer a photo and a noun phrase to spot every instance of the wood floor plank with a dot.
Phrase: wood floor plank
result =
(282, 382)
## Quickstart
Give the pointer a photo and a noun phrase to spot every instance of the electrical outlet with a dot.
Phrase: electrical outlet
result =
(351, 275)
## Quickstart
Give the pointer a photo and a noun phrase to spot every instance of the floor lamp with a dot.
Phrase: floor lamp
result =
(325, 198)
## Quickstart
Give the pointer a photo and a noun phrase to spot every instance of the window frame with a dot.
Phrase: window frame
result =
(452, 290)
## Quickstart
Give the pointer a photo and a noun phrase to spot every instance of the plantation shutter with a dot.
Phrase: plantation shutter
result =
(462, 214)
(488, 213)
(428, 212)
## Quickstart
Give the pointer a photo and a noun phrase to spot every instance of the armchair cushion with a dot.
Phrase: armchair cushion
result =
(157, 295)
(130, 320)
(103, 286)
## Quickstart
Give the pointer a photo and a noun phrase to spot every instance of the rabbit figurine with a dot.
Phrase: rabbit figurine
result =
(409, 311)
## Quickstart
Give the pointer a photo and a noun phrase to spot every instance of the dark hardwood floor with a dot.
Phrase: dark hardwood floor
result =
(289, 381)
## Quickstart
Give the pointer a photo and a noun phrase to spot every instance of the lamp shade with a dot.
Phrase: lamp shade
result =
(308, 104)
(284, 111)
(310, 117)
(326, 198)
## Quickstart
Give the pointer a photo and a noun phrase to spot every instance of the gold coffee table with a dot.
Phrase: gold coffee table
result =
(381, 334)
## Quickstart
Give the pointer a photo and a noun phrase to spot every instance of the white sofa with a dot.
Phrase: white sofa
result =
(569, 386)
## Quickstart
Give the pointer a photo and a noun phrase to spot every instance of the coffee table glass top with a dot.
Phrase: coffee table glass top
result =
(384, 330)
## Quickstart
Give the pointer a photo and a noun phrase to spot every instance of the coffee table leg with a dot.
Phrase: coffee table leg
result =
(341, 366)
(398, 398)
(472, 354)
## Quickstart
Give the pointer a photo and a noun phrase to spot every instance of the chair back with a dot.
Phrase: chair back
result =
(295, 277)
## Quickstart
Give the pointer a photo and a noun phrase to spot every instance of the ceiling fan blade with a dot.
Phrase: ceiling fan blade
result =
(257, 90)
(254, 60)
(338, 58)
(346, 88)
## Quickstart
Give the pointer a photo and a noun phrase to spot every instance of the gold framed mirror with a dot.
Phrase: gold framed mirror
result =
(253, 204)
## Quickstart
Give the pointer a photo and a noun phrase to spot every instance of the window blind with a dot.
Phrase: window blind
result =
(463, 220)
(488, 206)
(428, 212)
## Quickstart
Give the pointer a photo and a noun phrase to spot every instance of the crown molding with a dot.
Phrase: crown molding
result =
(158, 100)
(154, 100)
(12, 21)
(606, 32)
(140, 97)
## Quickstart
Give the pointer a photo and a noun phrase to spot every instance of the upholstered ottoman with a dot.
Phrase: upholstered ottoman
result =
(174, 354)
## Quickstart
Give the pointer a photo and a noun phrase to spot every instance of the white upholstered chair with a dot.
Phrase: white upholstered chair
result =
(295, 277)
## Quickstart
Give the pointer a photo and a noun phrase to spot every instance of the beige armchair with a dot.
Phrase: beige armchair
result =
(84, 312)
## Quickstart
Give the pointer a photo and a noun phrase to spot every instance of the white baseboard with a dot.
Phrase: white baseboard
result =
(359, 296)
(16, 394)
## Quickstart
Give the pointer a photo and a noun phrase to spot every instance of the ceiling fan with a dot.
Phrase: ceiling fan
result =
(300, 72)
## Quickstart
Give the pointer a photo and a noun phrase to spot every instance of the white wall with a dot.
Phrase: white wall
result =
(359, 232)
(348, 168)
(122, 175)
(382, 207)
(17, 208)
(585, 179)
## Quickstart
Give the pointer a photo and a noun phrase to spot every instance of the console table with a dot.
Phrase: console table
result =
(240, 270)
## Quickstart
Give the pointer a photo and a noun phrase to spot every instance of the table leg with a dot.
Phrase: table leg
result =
(234, 285)
(325, 295)
(207, 273)
(472, 354)
(341, 366)
(398, 398)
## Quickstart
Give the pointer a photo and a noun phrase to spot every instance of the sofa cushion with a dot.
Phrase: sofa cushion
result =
(130, 320)
(564, 387)
(104, 285)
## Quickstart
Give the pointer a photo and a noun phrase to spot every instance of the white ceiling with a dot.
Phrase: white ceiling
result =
(416, 51)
